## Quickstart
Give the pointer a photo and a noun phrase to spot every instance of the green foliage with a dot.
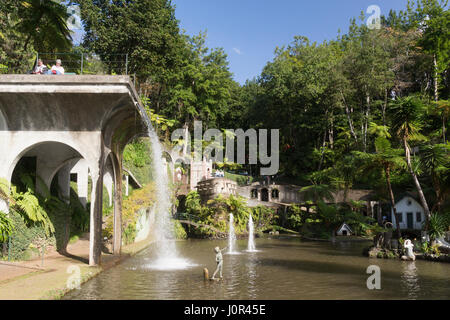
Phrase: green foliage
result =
(152, 35)
(438, 225)
(193, 205)
(27, 204)
(131, 207)
(137, 158)
(216, 214)
(6, 227)
(23, 237)
(45, 24)
(180, 233)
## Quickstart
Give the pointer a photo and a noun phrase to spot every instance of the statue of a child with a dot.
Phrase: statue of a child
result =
(219, 261)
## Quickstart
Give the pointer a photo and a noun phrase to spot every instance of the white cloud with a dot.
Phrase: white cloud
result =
(237, 51)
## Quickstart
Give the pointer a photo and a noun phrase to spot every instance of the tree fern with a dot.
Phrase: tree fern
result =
(6, 227)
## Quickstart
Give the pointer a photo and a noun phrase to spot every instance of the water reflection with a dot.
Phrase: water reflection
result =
(252, 276)
(410, 279)
(284, 268)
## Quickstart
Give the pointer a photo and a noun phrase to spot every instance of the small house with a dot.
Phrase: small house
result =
(344, 230)
(411, 214)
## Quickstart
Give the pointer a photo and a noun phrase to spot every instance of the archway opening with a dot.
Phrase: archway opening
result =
(265, 195)
(42, 177)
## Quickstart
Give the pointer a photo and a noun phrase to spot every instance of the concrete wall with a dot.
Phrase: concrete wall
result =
(212, 188)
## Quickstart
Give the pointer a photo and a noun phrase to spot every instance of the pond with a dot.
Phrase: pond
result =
(283, 268)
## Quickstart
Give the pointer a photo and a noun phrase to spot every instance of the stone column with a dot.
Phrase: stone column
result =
(95, 236)
(82, 183)
(126, 184)
(117, 238)
(64, 183)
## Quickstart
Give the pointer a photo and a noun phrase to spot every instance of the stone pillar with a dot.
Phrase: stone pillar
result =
(126, 184)
(259, 194)
(117, 236)
(108, 182)
(95, 236)
(64, 183)
(82, 184)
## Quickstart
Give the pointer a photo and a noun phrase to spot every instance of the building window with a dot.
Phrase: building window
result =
(275, 194)
(400, 217)
(419, 216)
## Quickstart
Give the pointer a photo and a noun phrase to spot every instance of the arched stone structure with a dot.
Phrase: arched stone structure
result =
(93, 115)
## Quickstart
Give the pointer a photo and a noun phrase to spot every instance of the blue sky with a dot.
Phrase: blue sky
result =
(250, 30)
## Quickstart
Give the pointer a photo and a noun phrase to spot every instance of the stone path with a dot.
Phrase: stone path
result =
(29, 281)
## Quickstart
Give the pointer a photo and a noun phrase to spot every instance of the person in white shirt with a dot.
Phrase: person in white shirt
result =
(57, 69)
(40, 68)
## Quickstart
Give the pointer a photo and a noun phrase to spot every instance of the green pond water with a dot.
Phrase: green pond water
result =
(284, 268)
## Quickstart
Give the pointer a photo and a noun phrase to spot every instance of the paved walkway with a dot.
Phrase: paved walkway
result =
(28, 280)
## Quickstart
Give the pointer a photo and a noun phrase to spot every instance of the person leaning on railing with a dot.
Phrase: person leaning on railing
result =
(40, 68)
(57, 69)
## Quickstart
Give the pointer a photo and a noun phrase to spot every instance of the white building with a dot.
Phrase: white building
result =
(344, 230)
(410, 212)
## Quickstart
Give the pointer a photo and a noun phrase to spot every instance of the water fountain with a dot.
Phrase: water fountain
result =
(231, 236)
(167, 257)
(251, 237)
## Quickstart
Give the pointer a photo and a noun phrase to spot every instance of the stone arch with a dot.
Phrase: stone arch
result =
(69, 162)
(32, 145)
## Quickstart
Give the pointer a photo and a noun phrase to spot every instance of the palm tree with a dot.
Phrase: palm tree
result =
(386, 158)
(443, 107)
(389, 158)
(406, 123)
(436, 163)
(45, 23)
(318, 192)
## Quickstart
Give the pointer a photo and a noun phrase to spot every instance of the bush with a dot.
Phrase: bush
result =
(23, 237)
(180, 233)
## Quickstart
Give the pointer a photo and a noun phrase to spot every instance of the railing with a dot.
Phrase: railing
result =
(84, 63)
(77, 63)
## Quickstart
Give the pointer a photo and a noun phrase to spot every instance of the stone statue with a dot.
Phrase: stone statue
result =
(219, 261)
(409, 246)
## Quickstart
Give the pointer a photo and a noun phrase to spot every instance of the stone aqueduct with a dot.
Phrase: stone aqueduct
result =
(71, 124)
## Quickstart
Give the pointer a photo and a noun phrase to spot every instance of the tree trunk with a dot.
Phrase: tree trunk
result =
(387, 170)
(423, 201)
(366, 120)
(379, 214)
(443, 127)
(350, 123)
(436, 94)
(383, 107)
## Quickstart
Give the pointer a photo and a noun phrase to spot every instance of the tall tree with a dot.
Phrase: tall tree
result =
(406, 123)
(45, 24)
